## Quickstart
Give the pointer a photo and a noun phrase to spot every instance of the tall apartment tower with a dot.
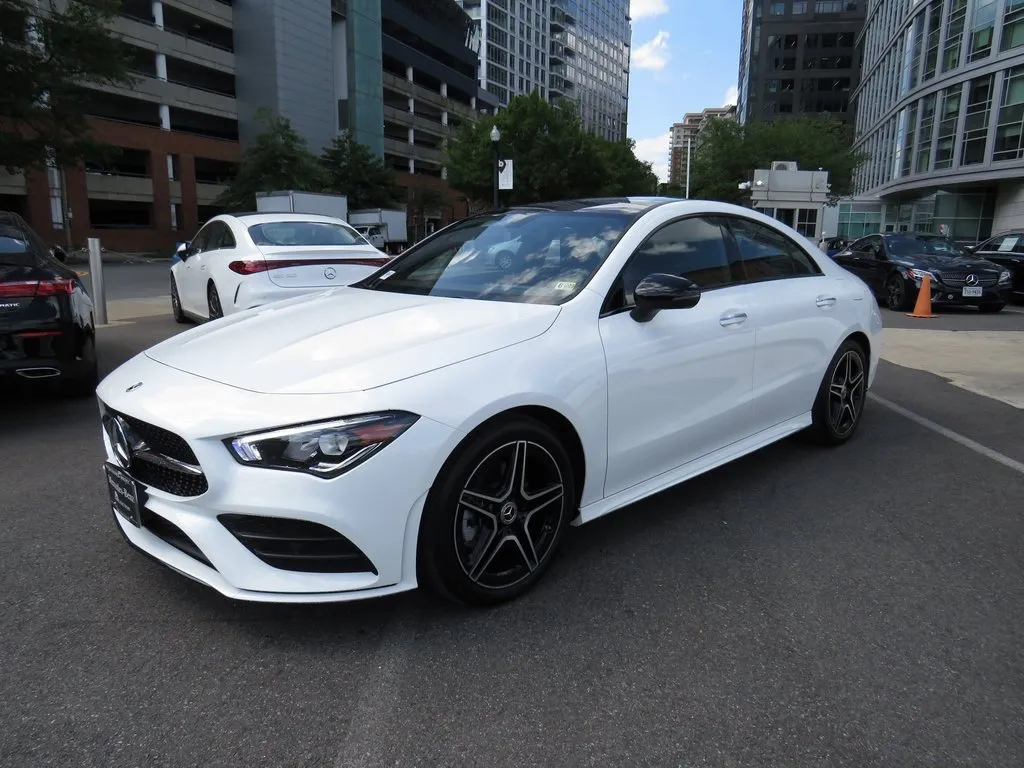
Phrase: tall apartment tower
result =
(799, 57)
(564, 49)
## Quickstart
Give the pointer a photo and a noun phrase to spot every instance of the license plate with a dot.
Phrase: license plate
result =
(973, 291)
(124, 494)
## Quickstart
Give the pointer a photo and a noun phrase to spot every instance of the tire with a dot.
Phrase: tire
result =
(83, 385)
(504, 260)
(838, 400)
(992, 308)
(482, 540)
(896, 295)
(214, 308)
(179, 316)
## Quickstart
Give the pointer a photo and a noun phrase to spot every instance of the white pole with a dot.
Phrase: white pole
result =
(689, 139)
(99, 296)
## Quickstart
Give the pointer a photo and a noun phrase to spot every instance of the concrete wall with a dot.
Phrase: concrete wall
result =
(1009, 212)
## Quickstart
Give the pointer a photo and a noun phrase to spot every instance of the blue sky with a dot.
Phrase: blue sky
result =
(685, 58)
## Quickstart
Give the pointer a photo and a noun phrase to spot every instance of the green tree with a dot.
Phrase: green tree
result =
(672, 190)
(554, 158)
(729, 153)
(50, 53)
(351, 169)
(423, 201)
(277, 159)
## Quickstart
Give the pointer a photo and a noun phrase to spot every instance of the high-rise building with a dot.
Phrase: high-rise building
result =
(799, 57)
(940, 113)
(398, 74)
(684, 139)
(564, 49)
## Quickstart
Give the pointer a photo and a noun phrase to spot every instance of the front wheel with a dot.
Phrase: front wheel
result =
(214, 308)
(897, 298)
(841, 397)
(497, 514)
(179, 315)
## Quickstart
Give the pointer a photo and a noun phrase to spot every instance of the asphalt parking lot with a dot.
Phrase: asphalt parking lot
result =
(801, 607)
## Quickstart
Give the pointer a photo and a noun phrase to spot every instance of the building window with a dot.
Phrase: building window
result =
(807, 221)
(908, 140)
(949, 119)
(982, 30)
(1010, 130)
(931, 56)
(979, 106)
(924, 133)
(799, 7)
(777, 9)
(1013, 25)
(832, 6)
(916, 42)
(954, 35)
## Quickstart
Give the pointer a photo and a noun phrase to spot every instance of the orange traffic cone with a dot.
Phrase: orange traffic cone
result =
(923, 307)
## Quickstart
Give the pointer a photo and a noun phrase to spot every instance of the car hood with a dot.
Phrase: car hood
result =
(348, 340)
(935, 262)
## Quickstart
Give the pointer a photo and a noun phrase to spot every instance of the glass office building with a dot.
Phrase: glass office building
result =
(940, 115)
(575, 50)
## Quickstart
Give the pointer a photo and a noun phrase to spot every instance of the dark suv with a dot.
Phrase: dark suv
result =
(47, 331)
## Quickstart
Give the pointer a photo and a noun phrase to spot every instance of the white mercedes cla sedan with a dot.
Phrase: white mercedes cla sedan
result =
(444, 420)
(245, 260)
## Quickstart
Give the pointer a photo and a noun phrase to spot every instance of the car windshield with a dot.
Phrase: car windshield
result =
(536, 257)
(912, 245)
(303, 233)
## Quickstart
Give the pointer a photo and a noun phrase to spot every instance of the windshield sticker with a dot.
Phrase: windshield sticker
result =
(1008, 243)
(565, 285)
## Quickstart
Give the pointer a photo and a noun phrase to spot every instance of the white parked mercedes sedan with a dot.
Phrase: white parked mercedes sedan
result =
(240, 261)
(445, 419)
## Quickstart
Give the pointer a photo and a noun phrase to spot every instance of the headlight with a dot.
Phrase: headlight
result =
(324, 449)
(919, 274)
(1004, 277)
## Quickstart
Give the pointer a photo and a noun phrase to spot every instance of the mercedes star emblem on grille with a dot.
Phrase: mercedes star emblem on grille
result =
(330, 274)
(971, 280)
(117, 433)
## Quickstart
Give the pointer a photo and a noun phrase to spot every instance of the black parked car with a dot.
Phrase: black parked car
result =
(47, 331)
(894, 264)
(1006, 250)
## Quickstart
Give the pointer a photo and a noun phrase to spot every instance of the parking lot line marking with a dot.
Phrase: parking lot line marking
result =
(956, 437)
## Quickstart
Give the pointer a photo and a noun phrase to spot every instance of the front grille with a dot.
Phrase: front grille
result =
(158, 464)
(959, 279)
(167, 531)
(297, 545)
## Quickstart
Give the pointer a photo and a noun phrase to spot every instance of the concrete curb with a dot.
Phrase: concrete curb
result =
(82, 257)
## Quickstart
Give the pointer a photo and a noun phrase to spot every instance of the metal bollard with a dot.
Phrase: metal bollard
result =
(99, 296)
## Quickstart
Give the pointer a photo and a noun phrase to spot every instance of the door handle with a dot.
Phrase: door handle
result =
(826, 301)
(732, 318)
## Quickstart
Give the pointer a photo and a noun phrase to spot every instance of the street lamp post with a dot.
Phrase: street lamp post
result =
(495, 139)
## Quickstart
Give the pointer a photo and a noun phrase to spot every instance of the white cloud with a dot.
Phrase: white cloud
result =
(732, 97)
(645, 9)
(655, 151)
(653, 54)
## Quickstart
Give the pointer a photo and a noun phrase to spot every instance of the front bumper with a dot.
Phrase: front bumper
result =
(943, 295)
(376, 506)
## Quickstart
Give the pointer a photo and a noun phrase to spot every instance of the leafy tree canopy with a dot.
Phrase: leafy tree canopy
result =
(277, 159)
(351, 169)
(729, 153)
(50, 52)
(553, 156)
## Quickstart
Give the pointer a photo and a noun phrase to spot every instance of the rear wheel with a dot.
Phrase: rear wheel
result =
(841, 397)
(497, 515)
(213, 302)
(992, 308)
(179, 316)
(83, 385)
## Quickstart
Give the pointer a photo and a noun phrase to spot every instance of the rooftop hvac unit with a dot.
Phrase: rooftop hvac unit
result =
(784, 165)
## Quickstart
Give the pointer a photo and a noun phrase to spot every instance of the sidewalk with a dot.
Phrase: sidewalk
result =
(989, 363)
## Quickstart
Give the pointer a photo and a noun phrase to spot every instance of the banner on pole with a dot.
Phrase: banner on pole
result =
(505, 174)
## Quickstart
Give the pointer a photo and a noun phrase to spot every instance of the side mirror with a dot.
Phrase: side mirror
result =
(660, 291)
(971, 248)
(182, 250)
(59, 254)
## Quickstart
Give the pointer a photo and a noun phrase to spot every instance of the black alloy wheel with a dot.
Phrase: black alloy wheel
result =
(497, 515)
(213, 302)
(841, 397)
(896, 297)
(179, 316)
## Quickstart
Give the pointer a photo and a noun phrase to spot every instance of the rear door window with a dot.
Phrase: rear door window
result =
(19, 245)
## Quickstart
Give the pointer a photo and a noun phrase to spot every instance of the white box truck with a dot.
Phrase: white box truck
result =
(385, 228)
(293, 201)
